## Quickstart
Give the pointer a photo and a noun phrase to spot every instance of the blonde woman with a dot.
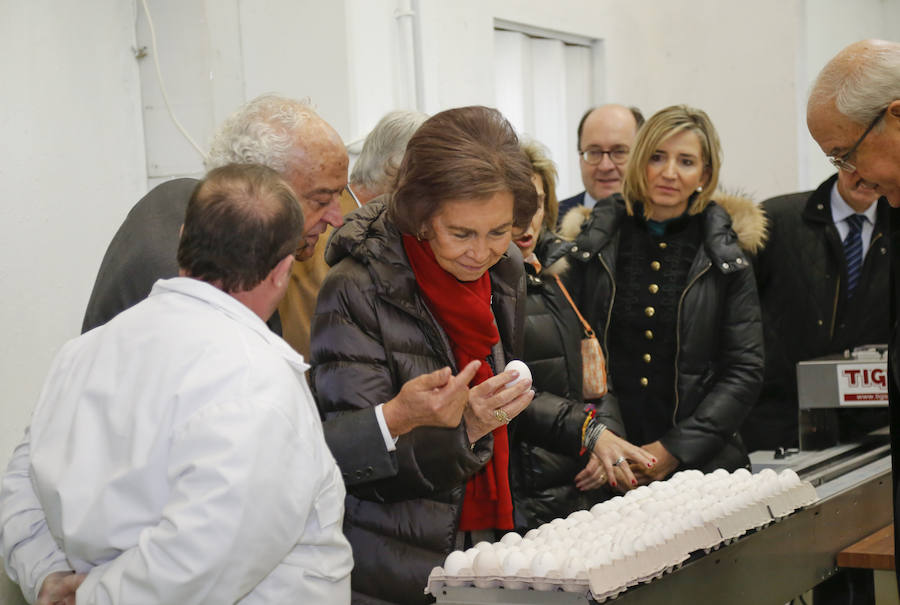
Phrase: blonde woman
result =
(663, 274)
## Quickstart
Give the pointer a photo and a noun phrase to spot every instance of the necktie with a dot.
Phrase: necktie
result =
(853, 251)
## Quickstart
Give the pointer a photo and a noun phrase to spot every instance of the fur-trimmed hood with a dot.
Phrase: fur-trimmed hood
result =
(572, 222)
(552, 247)
(748, 220)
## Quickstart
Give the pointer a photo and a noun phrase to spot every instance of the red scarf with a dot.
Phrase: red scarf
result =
(463, 309)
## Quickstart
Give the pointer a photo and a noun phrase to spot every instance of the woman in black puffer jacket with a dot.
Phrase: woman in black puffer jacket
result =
(425, 280)
(663, 274)
(547, 485)
(419, 283)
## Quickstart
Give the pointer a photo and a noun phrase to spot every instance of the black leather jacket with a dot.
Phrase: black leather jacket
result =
(543, 481)
(719, 356)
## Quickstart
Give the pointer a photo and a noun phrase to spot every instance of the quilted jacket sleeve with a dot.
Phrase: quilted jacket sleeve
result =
(731, 383)
(354, 369)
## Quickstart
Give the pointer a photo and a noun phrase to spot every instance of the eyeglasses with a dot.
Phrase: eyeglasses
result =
(842, 162)
(618, 155)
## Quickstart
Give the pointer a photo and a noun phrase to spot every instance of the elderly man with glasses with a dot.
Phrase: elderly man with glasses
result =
(854, 114)
(823, 276)
(605, 136)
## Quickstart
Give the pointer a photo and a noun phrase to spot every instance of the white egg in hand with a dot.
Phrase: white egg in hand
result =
(520, 367)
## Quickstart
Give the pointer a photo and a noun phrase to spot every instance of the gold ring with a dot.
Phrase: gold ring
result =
(501, 416)
(619, 461)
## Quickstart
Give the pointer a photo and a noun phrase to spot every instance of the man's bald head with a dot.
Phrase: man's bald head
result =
(290, 137)
(612, 111)
(859, 81)
(606, 128)
(241, 221)
(860, 87)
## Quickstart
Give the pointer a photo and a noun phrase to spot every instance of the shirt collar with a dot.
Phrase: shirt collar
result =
(233, 308)
(840, 209)
(589, 201)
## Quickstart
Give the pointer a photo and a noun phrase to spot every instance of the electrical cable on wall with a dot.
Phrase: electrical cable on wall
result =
(162, 86)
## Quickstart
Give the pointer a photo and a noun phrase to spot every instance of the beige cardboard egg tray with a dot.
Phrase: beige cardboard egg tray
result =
(629, 539)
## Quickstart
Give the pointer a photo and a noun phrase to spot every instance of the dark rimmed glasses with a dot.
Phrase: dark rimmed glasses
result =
(594, 155)
(842, 162)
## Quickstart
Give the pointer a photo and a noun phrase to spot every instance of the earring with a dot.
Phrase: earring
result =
(700, 189)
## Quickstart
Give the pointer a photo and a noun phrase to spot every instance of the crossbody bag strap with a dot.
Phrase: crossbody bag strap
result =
(588, 332)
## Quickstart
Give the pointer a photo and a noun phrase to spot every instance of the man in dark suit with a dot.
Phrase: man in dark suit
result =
(823, 288)
(605, 137)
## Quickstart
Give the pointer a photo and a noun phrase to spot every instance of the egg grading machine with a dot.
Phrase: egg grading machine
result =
(835, 389)
(770, 565)
(780, 561)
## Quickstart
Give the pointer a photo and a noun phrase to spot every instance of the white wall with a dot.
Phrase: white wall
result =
(202, 40)
(298, 48)
(737, 65)
(71, 165)
(85, 130)
(380, 61)
(733, 59)
(736, 60)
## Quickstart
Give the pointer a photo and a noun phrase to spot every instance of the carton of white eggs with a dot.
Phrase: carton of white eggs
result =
(629, 539)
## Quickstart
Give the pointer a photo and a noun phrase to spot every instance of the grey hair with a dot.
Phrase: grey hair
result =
(861, 80)
(262, 131)
(383, 150)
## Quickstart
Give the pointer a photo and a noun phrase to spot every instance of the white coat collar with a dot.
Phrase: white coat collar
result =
(233, 308)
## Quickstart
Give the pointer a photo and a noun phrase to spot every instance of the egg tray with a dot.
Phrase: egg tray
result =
(604, 581)
(644, 563)
(795, 498)
(609, 581)
(553, 581)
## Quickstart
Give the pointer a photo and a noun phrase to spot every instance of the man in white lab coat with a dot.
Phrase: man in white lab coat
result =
(176, 454)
